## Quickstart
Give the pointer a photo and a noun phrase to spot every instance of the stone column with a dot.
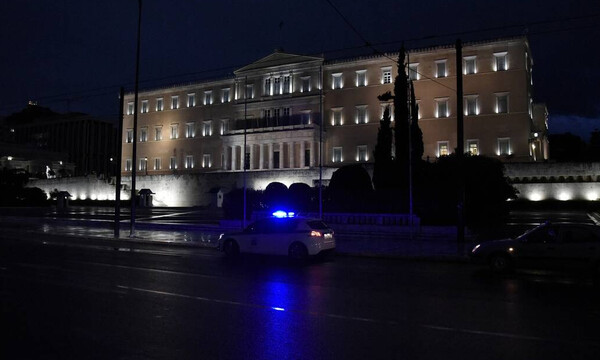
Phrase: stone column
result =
(271, 156)
(233, 157)
(292, 165)
(261, 156)
(251, 165)
(226, 158)
(302, 150)
(312, 154)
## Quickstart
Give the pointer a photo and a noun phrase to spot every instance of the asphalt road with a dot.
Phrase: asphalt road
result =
(107, 300)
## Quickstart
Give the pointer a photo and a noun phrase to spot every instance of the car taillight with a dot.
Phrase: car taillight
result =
(316, 233)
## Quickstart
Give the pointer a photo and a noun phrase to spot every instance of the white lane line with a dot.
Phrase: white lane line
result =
(167, 215)
(594, 217)
(160, 271)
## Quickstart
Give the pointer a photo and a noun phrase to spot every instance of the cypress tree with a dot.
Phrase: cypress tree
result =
(382, 176)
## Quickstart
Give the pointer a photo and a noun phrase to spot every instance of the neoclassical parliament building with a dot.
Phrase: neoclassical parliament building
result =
(273, 106)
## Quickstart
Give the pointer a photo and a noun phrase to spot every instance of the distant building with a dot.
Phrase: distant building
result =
(275, 101)
(87, 142)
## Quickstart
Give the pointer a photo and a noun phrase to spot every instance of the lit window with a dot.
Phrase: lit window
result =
(160, 104)
(336, 81)
(206, 161)
(287, 84)
(305, 117)
(173, 163)
(440, 69)
(336, 116)
(473, 147)
(470, 65)
(128, 165)
(208, 98)
(224, 126)
(413, 73)
(441, 108)
(471, 106)
(130, 108)
(361, 153)
(190, 130)
(500, 61)
(144, 106)
(305, 84)
(144, 134)
(443, 148)
(361, 77)
(501, 103)
(207, 128)
(174, 131)
(386, 75)
(174, 102)
(191, 100)
(157, 164)
(361, 114)
(267, 87)
(391, 107)
(225, 95)
(504, 146)
(277, 86)
(189, 161)
(337, 154)
(250, 91)
(143, 164)
(158, 133)
(129, 136)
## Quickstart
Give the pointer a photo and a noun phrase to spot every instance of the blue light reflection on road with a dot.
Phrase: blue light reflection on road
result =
(278, 323)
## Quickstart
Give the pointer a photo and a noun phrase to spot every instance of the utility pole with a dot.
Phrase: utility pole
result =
(135, 113)
(410, 147)
(321, 142)
(244, 148)
(118, 161)
(460, 225)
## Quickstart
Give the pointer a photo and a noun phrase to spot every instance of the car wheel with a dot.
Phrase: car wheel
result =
(298, 252)
(231, 248)
(500, 263)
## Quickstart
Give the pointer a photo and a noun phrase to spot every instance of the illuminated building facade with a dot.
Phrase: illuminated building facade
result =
(273, 107)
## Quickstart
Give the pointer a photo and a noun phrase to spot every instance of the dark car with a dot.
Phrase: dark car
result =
(553, 246)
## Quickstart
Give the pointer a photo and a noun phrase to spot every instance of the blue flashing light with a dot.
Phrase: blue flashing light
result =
(283, 214)
(277, 308)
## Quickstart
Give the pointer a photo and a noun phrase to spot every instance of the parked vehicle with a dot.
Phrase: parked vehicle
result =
(554, 246)
(282, 234)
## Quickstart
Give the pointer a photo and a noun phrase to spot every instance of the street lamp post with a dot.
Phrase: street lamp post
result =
(135, 113)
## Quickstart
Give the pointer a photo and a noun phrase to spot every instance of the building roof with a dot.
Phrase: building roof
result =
(277, 58)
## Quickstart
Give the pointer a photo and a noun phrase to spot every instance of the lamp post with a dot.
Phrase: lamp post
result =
(135, 112)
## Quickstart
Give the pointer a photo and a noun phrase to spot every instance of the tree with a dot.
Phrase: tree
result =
(382, 170)
(350, 189)
(416, 135)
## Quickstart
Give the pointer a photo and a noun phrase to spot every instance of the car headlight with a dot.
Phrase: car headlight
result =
(475, 248)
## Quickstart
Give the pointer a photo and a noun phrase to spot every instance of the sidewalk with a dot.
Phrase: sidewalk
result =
(386, 244)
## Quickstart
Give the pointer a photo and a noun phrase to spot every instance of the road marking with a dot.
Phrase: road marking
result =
(147, 269)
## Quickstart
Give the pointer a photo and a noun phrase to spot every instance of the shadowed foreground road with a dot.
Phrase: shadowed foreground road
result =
(75, 301)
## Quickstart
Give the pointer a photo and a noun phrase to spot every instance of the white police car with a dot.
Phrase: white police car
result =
(281, 234)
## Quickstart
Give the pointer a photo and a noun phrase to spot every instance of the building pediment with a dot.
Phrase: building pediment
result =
(277, 59)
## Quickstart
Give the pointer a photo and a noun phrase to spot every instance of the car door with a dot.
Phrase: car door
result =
(250, 240)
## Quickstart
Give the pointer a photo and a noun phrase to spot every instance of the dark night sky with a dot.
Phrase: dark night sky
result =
(73, 55)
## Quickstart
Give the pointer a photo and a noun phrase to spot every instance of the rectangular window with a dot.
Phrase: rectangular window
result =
(361, 153)
(504, 146)
(174, 102)
(224, 126)
(225, 95)
(361, 114)
(144, 106)
(470, 65)
(500, 61)
(440, 69)
(206, 161)
(144, 134)
(129, 136)
(441, 108)
(207, 128)
(305, 84)
(306, 157)
(174, 131)
(267, 87)
(160, 104)
(127, 164)
(191, 100)
(208, 100)
(158, 133)
(286, 112)
(305, 117)
(391, 107)
(190, 130)
(143, 164)
(336, 116)
(501, 103)
(413, 73)
(277, 86)
(443, 148)
(173, 163)
(361, 78)
(336, 81)
(473, 147)
(157, 164)
(189, 161)
(250, 91)
(130, 108)
(267, 113)
(386, 75)
(276, 113)
(471, 106)
(287, 84)
(337, 155)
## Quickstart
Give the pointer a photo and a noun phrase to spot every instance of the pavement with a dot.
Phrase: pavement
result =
(189, 228)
